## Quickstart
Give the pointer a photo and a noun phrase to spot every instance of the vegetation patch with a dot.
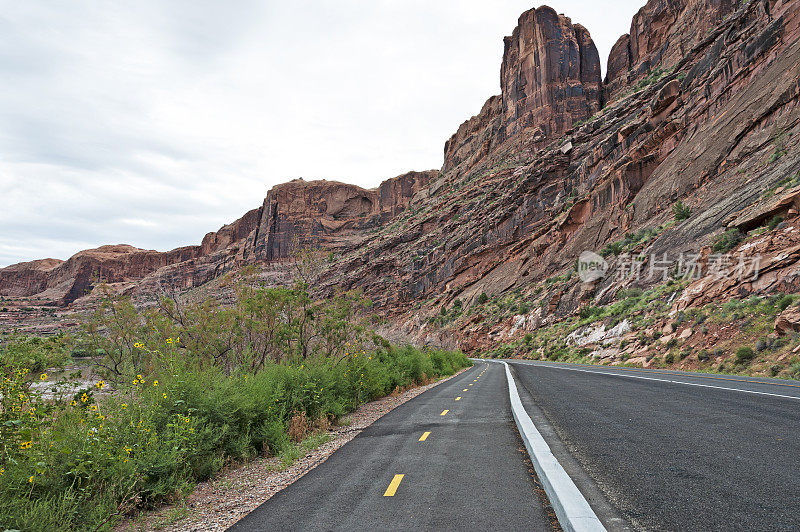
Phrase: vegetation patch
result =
(193, 387)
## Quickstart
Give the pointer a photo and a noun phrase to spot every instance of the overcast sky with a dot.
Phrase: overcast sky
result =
(152, 122)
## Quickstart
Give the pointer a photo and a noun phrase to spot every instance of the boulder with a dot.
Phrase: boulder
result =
(788, 321)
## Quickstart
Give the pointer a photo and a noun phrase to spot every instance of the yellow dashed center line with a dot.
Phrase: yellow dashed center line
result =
(424, 436)
(458, 398)
(470, 384)
(464, 390)
(444, 412)
(393, 485)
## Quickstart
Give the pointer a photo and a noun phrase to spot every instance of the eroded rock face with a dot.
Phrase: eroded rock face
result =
(549, 80)
(662, 33)
(516, 201)
(788, 321)
(327, 213)
(297, 213)
(550, 75)
(26, 278)
(231, 233)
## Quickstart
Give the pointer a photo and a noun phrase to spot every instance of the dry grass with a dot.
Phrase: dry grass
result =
(299, 426)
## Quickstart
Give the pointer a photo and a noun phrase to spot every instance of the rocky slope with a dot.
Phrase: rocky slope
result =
(699, 108)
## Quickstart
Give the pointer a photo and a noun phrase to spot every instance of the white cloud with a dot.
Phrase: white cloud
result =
(152, 123)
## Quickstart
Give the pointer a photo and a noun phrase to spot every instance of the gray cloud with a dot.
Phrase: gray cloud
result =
(152, 123)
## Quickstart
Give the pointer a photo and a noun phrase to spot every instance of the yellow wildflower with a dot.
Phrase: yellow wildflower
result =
(135, 382)
(30, 479)
(43, 377)
(124, 406)
(84, 398)
(138, 345)
(155, 382)
(169, 340)
(101, 384)
(93, 408)
(165, 395)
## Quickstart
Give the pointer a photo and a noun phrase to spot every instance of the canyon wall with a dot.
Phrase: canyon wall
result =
(700, 105)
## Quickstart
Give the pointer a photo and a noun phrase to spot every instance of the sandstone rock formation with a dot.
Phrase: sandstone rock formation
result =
(662, 33)
(550, 75)
(700, 105)
(549, 80)
(788, 321)
(27, 278)
(318, 212)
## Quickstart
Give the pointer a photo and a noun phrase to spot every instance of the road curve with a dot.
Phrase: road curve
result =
(468, 473)
(672, 450)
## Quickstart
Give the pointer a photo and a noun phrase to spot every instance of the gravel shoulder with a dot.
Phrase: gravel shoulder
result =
(219, 503)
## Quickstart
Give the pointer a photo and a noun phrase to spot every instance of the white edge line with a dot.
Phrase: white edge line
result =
(613, 374)
(571, 507)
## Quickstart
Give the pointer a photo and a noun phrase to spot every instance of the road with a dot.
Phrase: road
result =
(649, 450)
(469, 473)
(670, 450)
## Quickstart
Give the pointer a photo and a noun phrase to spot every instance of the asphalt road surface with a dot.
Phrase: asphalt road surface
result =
(671, 450)
(649, 450)
(468, 473)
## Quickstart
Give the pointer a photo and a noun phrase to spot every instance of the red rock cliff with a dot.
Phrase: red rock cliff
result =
(549, 80)
(327, 213)
(662, 33)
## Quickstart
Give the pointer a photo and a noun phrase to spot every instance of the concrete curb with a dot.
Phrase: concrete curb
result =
(571, 507)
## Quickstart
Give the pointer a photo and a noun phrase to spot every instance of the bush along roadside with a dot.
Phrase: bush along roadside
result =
(175, 418)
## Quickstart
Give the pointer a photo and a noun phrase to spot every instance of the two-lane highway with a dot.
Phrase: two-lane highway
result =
(648, 449)
(450, 459)
(676, 451)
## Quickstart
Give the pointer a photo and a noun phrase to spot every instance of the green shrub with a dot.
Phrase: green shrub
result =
(681, 211)
(630, 293)
(774, 222)
(589, 311)
(784, 302)
(35, 354)
(744, 355)
(614, 248)
(483, 298)
(178, 425)
(727, 240)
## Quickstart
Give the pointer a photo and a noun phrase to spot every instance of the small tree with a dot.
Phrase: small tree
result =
(681, 211)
